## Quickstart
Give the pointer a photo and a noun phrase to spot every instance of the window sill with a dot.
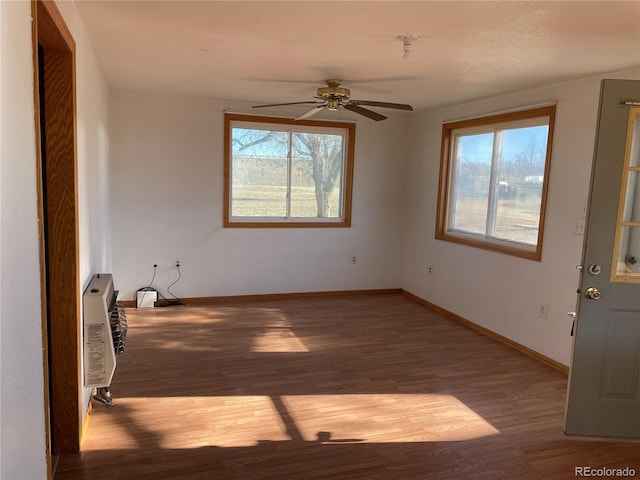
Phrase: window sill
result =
(535, 255)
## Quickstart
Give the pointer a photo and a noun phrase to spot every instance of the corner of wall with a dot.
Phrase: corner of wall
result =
(22, 423)
(498, 293)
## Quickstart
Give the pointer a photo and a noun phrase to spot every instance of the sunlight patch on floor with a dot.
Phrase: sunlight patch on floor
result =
(374, 418)
(273, 333)
(277, 339)
(222, 421)
(241, 421)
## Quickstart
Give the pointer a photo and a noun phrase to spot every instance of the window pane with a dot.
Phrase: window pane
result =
(470, 194)
(492, 181)
(628, 261)
(259, 173)
(316, 175)
(627, 253)
(286, 173)
(634, 158)
(519, 179)
(632, 201)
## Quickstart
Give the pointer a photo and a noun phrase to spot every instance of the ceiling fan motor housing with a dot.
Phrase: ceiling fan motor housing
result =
(334, 94)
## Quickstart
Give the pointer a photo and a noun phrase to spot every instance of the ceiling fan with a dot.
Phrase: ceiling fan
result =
(334, 97)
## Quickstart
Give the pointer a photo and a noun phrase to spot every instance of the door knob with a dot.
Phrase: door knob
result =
(592, 293)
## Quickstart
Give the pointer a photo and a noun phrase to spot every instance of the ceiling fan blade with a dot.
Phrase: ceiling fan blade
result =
(363, 111)
(370, 103)
(311, 112)
(310, 102)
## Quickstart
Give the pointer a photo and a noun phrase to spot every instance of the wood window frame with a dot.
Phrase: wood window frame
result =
(347, 194)
(444, 183)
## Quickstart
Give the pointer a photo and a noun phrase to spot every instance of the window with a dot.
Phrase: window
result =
(626, 267)
(287, 173)
(493, 181)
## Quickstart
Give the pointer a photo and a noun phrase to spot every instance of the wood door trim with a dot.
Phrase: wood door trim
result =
(51, 32)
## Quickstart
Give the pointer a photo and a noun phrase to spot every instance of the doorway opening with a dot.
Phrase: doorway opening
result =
(54, 58)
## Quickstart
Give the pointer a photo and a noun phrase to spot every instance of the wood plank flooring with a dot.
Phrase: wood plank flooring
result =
(372, 387)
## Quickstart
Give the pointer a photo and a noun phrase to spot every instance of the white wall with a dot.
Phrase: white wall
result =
(166, 166)
(500, 292)
(22, 429)
(22, 434)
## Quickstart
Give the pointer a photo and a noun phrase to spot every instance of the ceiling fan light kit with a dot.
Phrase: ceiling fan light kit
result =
(334, 96)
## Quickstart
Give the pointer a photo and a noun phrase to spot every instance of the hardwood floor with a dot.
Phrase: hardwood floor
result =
(370, 387)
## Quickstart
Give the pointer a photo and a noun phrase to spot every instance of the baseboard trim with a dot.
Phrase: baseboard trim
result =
(270, 296)
(85, 423)
(489, 333)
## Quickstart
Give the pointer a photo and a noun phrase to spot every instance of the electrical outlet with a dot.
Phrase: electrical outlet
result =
(177, 263)
(429, 270)
(354, 260)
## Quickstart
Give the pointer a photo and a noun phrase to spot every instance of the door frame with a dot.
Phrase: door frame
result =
(62, 376)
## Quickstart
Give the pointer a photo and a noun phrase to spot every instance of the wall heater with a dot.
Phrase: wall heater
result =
(105, 332)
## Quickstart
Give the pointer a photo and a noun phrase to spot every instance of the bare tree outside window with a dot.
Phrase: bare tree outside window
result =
(325, 154)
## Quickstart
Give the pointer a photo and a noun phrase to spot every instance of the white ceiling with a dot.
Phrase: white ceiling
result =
(271, 52)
